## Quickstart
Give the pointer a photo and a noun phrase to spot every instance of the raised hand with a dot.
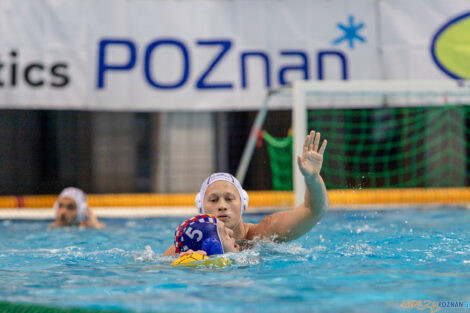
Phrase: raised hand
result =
(311, 161)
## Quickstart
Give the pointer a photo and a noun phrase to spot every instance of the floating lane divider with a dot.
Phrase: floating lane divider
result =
(259, 200)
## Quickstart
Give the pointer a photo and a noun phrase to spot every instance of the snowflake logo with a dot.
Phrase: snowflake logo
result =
(350, 32)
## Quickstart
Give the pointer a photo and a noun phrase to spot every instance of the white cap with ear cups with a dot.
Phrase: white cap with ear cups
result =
(216, 177)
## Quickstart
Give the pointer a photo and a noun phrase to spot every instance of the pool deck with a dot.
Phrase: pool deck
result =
(158, 205)
(149, 212)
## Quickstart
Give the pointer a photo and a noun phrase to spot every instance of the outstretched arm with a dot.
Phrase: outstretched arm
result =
(171, 251)
(289, 225)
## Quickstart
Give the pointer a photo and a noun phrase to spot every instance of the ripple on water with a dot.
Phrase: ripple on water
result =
(364, 260)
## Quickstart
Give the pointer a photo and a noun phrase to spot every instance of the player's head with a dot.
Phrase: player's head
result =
(204, 232)
(70, 207)
(222, 195)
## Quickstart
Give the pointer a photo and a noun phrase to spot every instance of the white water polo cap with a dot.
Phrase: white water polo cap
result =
(216, 177)
(79, 197)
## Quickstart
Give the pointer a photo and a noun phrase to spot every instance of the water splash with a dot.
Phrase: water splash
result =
(146, 256)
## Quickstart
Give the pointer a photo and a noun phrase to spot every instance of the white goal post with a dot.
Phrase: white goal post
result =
(347, 95)
(372, 94)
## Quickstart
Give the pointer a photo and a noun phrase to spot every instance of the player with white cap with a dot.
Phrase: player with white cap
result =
(71, 209)
(222, 195)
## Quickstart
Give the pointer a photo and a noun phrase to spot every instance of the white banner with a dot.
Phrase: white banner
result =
(172, 55)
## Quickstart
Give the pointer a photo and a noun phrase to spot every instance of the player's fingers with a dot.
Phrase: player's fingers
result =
(310, 140)
(316, 142)
(323, 147)
(190, 251)
(305, 147)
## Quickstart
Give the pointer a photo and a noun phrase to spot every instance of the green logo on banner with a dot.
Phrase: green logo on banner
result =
(450, 47)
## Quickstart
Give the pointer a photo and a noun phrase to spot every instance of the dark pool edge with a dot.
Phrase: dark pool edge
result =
(10, 307)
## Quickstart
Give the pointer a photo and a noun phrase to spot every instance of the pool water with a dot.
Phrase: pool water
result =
(352, 261)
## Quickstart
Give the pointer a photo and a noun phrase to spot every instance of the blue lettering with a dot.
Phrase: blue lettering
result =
(302, 67)
(341, 57)
(264, 57)
(225, 47)
(103, 66)
(155, 77)
(148, 54)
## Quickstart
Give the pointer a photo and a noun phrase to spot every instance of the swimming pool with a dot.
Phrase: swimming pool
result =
(353, 261)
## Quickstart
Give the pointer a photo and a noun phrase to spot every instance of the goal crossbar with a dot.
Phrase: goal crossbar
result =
(374, 94)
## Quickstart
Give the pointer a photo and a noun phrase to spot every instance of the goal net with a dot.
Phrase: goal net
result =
(385, 134)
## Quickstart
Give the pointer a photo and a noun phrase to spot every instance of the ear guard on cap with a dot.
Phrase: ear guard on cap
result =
(198, 202)
(212, 246)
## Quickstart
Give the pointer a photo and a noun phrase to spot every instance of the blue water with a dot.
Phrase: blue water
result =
(352, 261)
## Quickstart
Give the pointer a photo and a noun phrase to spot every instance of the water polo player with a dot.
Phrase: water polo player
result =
(222, 196)
(204, 234)
(71, 209)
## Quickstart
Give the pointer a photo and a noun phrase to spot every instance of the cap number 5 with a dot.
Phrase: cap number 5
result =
(191, 233)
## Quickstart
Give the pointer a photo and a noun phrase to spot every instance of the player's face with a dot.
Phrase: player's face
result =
(223, 201)
(226, 236)
(67, 211)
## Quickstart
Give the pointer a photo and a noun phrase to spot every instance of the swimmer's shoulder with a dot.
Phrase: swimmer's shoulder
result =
(259, 231)
(245, 242)
(250, 231)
